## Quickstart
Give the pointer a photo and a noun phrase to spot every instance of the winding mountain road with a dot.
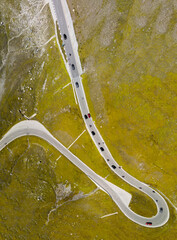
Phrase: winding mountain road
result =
(61, 11)
(119, 196)
(31, 127)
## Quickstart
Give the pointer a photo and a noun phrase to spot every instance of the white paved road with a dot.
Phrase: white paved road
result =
(70, 46)
(34, 128)
(119, 196)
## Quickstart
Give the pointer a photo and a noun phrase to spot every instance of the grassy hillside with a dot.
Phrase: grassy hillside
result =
(128, 52)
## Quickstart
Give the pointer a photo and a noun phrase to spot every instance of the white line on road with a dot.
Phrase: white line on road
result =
(44, 85)
(66, 85)
(76, 139)
(71, 144)
(47, 41)
(32, 116)
(62, 88)
(108, 215)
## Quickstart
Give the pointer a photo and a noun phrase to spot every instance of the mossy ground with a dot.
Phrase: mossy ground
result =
(130, 82)
(130, 85)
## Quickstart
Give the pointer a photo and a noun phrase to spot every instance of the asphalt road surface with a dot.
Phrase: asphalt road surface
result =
(30, 127)
(66, 30)
(119, 196)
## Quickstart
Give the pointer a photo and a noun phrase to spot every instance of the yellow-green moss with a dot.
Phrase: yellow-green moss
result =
(131, 90)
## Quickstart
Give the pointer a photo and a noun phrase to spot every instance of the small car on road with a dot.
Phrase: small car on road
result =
(161, 209)
(113, 166)
(148, 223)
(64, 36)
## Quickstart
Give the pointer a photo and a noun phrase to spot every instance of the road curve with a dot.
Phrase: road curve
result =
(34, 128)
(62, 15)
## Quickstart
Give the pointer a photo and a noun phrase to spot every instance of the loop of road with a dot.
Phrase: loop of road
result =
(119, 196)
(61, 14)
(31, 127)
